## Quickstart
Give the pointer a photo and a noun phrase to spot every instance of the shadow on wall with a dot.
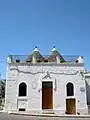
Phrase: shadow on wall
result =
(87, 92)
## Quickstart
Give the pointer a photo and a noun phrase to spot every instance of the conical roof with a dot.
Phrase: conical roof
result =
(36, 54)
(29, 59)
(54, 54)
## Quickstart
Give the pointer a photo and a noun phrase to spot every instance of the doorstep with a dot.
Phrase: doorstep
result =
(46, 111)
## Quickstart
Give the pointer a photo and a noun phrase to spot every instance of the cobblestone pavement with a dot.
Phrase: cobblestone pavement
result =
(4, 116)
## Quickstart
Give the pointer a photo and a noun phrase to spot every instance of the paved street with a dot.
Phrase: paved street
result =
(4, 116)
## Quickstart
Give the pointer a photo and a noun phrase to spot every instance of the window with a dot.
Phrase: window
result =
(22, 89)
(70, 89)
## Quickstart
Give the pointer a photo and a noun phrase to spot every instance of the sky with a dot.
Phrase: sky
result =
(25, 24)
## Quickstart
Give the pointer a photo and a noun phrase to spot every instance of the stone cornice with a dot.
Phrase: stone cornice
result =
(47, 64)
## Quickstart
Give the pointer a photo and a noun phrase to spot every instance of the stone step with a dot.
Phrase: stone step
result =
(47, 112)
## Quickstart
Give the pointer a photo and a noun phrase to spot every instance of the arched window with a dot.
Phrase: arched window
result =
(70, 89)
(22, 89)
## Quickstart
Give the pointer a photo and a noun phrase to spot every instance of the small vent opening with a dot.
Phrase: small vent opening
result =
(21, 109)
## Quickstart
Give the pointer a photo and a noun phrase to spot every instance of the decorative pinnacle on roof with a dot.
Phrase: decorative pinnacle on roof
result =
(54, 49)
(35, 49)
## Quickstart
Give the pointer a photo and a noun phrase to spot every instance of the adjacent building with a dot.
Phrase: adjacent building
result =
(2, 89)
(2, 93)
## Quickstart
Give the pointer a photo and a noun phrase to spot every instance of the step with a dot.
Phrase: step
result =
(47, 112)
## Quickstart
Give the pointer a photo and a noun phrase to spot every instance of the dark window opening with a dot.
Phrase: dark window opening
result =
(21, 109)
(28, 61)
(38, 60)
(70, 89)
(22, 89)
(45, 60)
(17, 60)
(77, 61)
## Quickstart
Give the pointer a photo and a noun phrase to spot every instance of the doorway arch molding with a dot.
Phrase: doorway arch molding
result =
(46, 77)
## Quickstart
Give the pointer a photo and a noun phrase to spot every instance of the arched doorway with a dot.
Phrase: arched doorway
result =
(22, 103)
(70, 102)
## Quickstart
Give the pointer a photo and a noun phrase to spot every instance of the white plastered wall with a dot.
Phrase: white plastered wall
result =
(30, 74)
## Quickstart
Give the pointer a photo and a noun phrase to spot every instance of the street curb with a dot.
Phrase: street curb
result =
(46, 115)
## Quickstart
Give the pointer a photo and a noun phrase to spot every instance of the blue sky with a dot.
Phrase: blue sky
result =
(25, 24)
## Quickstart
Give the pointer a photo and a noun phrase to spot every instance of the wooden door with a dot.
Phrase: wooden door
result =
(47, 95)
(70, 106)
